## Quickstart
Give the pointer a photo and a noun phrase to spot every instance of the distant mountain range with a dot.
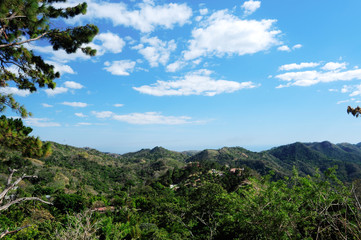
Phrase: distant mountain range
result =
(73, 168)
(306, 157)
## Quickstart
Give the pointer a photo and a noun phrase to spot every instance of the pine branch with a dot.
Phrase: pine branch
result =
(26, 41)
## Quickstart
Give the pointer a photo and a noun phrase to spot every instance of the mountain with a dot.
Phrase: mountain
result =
(73, 168)
(238, 156)
(307, 157)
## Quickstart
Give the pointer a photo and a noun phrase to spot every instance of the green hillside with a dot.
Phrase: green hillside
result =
(161, 194)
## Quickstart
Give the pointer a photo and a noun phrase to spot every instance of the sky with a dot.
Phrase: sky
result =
(193, 75)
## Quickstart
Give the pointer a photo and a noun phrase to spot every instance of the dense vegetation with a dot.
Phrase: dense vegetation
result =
(212, 194)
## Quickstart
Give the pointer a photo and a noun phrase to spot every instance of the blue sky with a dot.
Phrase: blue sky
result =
(204, 74)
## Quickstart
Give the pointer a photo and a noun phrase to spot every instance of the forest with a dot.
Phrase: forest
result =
(162, 194)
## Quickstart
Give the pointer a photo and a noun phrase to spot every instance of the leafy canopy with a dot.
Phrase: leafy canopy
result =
(22, 22)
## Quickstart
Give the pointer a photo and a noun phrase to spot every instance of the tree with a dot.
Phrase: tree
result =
(7, 201)
(14, 135)
(22, 22)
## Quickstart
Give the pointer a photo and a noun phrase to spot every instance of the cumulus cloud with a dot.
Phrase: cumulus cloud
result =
(334, 66)
(75, 104)
(295, 66)
(144, 118)
(73, 85)
(195, 83)
(155, 51)
(47, 105)
(61, 68)
(284, 48)
(250, 7)
(14, 91)
(203, 11)
(118, 105)
(223, 33)
(82, 115)
(328, 73)
(40, 122)
(146, 16)
(109, 42)
(103, 114)
(297, 46)
(121, 68)
(56, 91)
(175, 66)
(353, 90)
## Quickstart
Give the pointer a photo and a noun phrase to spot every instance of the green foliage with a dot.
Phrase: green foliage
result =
(206, 200)
(24, 21)
(70, 203)
(14, 135)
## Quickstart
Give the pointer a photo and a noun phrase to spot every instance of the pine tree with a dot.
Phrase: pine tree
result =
(22, 22)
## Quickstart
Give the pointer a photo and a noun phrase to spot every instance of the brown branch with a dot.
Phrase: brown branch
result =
(26, 41)
(13, 16)
(8, 188)
(10, 176)
(7, 232)
(6, 206)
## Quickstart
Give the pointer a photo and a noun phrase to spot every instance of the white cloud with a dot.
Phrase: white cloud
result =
(152, 118)
(121, 68)
(75, 104)
(175, 66)
(354, 90)
(61, 68)
(40, 122)
(250, 7)
(346, 89)
(55, 91)
(155, 50)
(118, 105)
(110, 42)
(309, 78)
(196, 83)
(73, 85)
(144, 118)
(284, 48)
(80, 115)
(47, 105)
(297, 46)
(334, 66)
(294, 66)
(345, 101)
(146, 18)
(103, 114)
(223, 33)
(83, 124)
(14, 91)
(203, 11)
